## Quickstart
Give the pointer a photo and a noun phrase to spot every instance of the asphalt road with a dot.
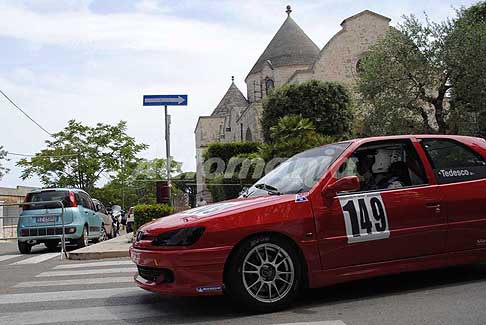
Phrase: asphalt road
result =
(41, 289)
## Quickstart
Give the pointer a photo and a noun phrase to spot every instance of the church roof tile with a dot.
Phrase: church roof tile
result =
(289, 46)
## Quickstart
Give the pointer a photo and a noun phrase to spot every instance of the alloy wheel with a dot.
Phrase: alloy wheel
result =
(85, 236)
(268, 273)
(103, 234)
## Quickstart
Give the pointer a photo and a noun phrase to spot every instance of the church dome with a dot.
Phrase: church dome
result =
(290, 46)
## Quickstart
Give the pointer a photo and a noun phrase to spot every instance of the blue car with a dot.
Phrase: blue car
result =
(41, 223)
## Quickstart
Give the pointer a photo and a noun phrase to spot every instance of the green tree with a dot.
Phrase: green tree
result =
(467, 61)
(3, 170)
(404, 76)
(292, 134)
(326, 104)
(136, 184)
(79, 155)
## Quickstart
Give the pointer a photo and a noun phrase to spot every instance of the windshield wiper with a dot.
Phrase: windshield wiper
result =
(269, 188)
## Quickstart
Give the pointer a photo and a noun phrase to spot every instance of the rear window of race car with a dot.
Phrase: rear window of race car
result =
(453, 161)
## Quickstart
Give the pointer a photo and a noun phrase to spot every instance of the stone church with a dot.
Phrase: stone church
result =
(290, 57)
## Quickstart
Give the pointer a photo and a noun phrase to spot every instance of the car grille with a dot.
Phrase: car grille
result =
(156, 274)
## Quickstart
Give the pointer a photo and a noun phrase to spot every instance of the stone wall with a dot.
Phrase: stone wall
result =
(208, 130)
(339, 58)
(280, 77)
(250, 121)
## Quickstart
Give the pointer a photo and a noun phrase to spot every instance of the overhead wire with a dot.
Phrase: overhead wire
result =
(30, 155)
(23, 112)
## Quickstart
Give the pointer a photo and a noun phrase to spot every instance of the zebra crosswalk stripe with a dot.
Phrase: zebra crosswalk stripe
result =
(8, 257)
(96, 314)
(36, 259)
(68, 295)
(93, 264)
(53, 283)
(87, 272)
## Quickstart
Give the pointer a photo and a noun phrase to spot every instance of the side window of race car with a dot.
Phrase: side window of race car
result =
(453, 161)
(381, 165)
(385, 165)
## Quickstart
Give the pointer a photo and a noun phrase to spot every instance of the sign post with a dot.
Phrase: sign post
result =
(166, 100)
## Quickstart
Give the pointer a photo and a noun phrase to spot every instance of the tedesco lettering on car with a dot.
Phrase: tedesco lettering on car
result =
(340, 212)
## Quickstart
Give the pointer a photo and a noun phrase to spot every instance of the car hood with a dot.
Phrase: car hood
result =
(220, 209)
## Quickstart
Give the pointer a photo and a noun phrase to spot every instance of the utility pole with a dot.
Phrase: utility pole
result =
(167, 149)
(80, 176)
(123, 183)
(167, 142)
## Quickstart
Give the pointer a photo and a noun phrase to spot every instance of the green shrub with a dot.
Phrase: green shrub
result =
(222, 188)
(292, 135)
(225, 188)
(147, 212)
(228, 150)
(326, 104)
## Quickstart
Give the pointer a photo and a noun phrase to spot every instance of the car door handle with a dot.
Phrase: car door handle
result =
(433, 205)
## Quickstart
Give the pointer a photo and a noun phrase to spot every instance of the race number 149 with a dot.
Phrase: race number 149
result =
(365, 217)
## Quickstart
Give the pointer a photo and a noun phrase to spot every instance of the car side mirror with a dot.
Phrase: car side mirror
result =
(345, 184)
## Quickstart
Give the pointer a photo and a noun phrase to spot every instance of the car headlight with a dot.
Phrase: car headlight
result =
(179, 237)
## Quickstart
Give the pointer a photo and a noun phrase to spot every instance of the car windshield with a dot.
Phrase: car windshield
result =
(299, 173)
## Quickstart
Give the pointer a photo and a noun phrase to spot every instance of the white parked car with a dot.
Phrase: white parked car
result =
(130, 219)
(105, 216)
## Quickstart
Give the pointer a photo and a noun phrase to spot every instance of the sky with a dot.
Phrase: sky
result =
(93, 60)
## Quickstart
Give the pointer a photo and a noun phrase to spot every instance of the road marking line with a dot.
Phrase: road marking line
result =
(8, 257)
(87, 272)
(37, 259)
(324, 322)
(31, 284)
(17, 298)
(93, 264)
(105, 313)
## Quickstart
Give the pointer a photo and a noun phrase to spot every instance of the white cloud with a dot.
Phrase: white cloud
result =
(151, 6)
(134, 31)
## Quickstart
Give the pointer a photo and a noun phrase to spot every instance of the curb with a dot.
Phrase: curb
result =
(113, 248)
(97, 255)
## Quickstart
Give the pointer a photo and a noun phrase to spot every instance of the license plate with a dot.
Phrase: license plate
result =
(45, 219)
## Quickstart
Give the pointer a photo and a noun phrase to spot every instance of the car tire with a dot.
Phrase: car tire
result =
(103, 235)
(129, 227)
(83, 240)
(52, 244)
(265, 274)
(24, 247)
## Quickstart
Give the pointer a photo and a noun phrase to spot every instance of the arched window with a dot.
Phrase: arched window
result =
(359, 66)
(269, 85)
(359, 63)
(248, 136)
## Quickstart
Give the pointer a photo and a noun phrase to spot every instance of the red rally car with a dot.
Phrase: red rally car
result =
(335, 213)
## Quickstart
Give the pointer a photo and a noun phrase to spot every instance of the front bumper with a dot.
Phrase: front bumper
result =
(195, 271)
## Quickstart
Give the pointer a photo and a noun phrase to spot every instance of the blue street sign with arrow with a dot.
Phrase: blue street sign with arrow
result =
(165, 100)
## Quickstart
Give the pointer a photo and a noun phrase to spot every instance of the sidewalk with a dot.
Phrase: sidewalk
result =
(117, 247)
